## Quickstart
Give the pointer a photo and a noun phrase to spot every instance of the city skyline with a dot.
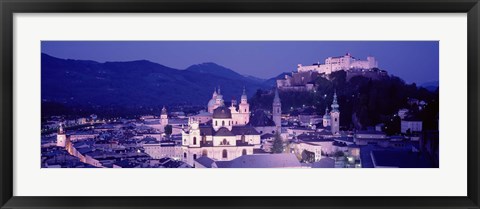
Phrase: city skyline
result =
(413, 61)
(350, 109)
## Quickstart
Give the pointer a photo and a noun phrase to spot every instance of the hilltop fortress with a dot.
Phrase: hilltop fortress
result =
(304, 78)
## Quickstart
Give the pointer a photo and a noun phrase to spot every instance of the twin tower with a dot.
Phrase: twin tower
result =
(241, 115)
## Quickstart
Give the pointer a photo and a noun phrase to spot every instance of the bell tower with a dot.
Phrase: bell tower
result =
(277, 110)
(163, 119)
(61, 136)
(335, 115)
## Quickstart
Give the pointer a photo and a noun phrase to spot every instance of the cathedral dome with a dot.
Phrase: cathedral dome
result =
(211, 103)
(222, 112)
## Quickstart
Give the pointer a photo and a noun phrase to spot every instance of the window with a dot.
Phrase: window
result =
(224, 142)
(194, 140)
(205, 153)
(223, 123)
(216, 123)
(194, 156)
(244, 152)
(184, 155)
(204, 139)
(242, 138)
(224, 154)
(245, 110)
(335, 119)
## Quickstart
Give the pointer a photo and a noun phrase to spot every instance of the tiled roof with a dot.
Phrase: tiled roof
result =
(244, 130)
(259, 119)
(223, 132)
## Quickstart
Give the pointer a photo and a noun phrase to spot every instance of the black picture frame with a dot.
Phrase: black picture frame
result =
(10, 7)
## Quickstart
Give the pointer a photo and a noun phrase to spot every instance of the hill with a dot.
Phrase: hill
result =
(136, 84)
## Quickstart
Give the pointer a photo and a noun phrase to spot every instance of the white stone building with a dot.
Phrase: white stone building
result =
(223, 140)
(345, 62)
(240, 113)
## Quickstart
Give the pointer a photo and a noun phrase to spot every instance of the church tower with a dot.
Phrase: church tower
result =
(335, 115)
(244, 109)
(61, 136)
(326, 118)
(164, 119)
(277, 110)
(211, 102)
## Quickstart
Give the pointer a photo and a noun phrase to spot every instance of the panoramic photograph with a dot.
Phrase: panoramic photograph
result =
(239, 104)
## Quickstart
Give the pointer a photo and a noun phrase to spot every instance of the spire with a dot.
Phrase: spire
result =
(277, 98)
(326, 110)
(164, 110)
(335, 105)
(214, 92)
(60, 129)
(244, 96)
(218, 90)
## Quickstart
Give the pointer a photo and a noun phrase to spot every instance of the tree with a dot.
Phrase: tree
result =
(278, 145)
(168, 130)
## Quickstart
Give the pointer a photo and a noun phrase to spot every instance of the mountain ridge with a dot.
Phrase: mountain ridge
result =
(137, 83)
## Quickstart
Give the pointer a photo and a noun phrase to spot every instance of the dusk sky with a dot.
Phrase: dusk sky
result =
(413, 61)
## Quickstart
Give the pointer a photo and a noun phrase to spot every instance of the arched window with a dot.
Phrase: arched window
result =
(216, 123)
(224, 142)
(205, 153)
(223, 123)
(245, 110)
(242, 138)
(194, 156)
(229, 122)
(224, 154)
(244, 152)
(194, 140)
(184, 155)
(335, 119)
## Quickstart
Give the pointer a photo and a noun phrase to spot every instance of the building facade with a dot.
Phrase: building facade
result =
(345, 62)
(226, 138)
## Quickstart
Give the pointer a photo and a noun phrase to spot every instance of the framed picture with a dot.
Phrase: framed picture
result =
(264, 104)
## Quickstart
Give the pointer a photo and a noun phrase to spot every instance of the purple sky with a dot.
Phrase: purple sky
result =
(413, 61)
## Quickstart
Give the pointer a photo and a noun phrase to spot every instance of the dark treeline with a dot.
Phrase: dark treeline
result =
(363, 101)
(105, 112)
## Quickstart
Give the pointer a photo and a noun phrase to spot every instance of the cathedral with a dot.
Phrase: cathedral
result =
(240, 115)
(225, 137)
